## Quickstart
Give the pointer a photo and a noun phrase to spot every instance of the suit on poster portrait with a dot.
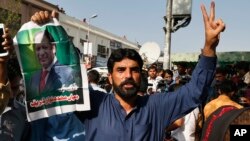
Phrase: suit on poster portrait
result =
(57, 77)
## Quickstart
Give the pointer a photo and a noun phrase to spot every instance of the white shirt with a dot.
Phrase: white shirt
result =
(97, 88)
(187, 131)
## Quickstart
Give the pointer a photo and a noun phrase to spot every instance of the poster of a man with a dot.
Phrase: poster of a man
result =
(55, 77)
(52, 75)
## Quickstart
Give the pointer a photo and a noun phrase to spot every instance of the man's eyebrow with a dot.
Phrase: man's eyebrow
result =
(133, 68)
(120, 67)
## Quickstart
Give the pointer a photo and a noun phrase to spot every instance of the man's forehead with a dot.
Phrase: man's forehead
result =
(152, 69)
(126, 63)
(40, 45)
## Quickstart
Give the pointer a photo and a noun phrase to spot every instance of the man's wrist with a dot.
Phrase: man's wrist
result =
(208, 52)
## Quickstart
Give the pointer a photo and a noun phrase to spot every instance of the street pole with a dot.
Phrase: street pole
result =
(88, 58)
(167, 49)
(88, 31)
(93, 16)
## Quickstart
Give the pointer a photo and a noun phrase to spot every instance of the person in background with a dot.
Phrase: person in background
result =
(16, 80)
(187, 128)
(160, 72)
(220, 75)
(13, 121)
(242, 69)
(244, 92)
(105, 84)
(181, 75)
(243, 82)
(144, 84)
(168, 77)
(189, 71)
(177, 123)
(184, 128)
(226, 90)
(222, 112)
(153, 79)
(93, 78)
(129, 116)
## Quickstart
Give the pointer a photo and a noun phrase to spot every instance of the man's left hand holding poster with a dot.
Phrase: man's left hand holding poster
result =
(55, 77)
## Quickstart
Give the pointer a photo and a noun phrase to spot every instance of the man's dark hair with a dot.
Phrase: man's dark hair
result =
(220, 70)
(182, 64)
(93, 76)
(243, 65)
(227, 86)
(119, 54)
(152, 67)
(168, 71)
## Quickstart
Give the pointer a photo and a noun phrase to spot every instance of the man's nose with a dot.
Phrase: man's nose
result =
(41, 52)
(128, 73)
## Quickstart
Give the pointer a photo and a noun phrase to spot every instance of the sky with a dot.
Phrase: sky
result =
(142, 21)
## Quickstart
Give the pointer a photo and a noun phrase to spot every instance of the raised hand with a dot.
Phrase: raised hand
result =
(213, 28)
(7, 45)
(43, 17)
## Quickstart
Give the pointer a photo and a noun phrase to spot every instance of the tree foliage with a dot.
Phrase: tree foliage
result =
(10, 15)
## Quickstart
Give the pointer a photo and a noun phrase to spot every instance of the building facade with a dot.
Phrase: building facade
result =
(98, 45)
(95, 44)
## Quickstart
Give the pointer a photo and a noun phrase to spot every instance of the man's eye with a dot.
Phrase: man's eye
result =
(137, 70)
(37, 48)
(45, 47)
(120, 70)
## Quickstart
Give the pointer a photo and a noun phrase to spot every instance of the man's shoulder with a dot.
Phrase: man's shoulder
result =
(210, 104)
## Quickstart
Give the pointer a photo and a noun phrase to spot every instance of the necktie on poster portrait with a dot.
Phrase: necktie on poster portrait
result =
(43, 80)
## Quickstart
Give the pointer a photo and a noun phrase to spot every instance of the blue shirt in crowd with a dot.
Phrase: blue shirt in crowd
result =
(108, 121)
(63, 127)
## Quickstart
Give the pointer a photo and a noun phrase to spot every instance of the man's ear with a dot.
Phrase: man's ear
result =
(110, 78)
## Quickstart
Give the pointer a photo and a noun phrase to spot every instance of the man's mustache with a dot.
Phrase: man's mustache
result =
(128, 81)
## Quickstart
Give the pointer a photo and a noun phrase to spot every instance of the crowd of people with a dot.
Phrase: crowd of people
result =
(138, 105)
